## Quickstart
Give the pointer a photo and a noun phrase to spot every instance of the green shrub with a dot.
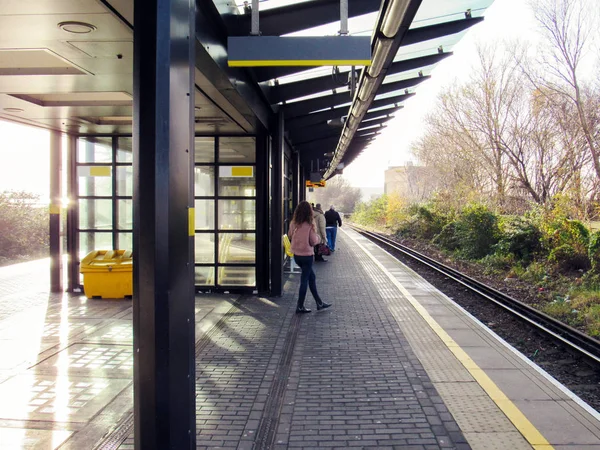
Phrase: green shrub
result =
(584, 299)
(594, 251)
(447, 238)
(519, 237)
(559, 309)
(497, 262)
(23, 226)
(568, 243)
(536, 273)
(592, 320)
(477, 231)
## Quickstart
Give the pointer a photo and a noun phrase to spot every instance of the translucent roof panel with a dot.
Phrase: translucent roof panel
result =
(432, 12)
(429, 47)
(357, 26)
(269, 4)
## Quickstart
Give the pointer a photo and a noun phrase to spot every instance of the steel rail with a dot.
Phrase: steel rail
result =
(575, 339)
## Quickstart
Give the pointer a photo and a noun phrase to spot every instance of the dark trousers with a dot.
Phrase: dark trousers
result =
(307, 279)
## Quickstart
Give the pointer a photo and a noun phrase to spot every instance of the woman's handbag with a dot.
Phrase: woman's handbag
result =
(323, 250)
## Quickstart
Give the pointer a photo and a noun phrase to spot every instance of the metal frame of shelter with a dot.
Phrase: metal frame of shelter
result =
(180, 55)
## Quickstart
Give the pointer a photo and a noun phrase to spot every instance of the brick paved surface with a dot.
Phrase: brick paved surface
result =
(339, 378)
(267, 378)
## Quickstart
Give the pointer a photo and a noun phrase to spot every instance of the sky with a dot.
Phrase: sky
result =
(24, 150)
(505, 19)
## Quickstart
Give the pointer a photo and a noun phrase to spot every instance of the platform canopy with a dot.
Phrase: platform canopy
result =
(68, 66)
(409, 38)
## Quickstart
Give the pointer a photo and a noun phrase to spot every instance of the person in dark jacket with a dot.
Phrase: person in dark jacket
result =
(332, 219)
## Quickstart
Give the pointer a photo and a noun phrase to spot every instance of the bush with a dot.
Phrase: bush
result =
(520, 237)
(535, 273)
(594, 251)
(477, 231)
(568, 244)
(559, 309)
(592, 320)
(23, 226)
(447, 238)
(497, 263)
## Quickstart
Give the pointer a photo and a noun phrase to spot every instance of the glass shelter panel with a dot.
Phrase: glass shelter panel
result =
(237, 150)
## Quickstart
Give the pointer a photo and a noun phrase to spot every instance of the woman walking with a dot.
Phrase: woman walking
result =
(303, 235)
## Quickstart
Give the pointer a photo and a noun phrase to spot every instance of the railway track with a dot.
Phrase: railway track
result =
(574, 340)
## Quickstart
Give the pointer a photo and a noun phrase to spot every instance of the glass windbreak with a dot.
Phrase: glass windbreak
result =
(125, 214)
(237, 181)
(94, 150)
(95, 181)
(237, 248)
(124, 181)
(204, 214)
(237, 214)
(204, 181)
(125, 150)
(204, 150)
(95, 214)
(91, 241)
(237, 276)
(204, 276)
(239, 150)
(204, 248)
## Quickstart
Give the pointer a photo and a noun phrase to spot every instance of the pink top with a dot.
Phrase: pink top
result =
(303, 238)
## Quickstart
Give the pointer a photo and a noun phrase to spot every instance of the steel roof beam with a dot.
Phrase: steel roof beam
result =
(439, 30)
(412, 36)
(314, 118)
(314, 104)
(288, 91)
(299, 16)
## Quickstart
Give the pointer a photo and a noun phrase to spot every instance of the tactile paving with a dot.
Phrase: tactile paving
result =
(478, 414)
(57, 398)
(92, 356)
(497, 441)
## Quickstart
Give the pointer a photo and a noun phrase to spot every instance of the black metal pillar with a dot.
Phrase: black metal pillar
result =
(163, 300)
(296, 179)
(262, 213)
(55, 203)
(302, 184)
(72, 217)
(277, 206)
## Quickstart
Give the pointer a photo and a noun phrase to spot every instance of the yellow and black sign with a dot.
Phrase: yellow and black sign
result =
(313, 184)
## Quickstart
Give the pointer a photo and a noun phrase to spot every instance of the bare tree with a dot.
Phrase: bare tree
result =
(338, 192)
(569, 28)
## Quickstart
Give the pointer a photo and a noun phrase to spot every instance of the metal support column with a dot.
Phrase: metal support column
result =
(277, 207)
(295, 179)
(302, 195)
(262, 213)
(55, 203)
(72, 217)
(163, 300)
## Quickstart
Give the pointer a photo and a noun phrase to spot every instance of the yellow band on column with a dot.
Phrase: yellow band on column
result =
(191, 221)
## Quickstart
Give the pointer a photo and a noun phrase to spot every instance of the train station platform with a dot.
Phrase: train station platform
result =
(393, 364)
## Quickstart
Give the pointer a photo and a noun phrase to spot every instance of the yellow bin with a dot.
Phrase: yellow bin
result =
(107, 274)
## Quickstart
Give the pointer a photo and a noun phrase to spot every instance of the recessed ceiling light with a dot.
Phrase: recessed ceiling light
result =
(76, 27)
(14, 110)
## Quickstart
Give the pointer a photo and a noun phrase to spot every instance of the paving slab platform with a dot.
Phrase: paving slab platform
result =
(393, 364)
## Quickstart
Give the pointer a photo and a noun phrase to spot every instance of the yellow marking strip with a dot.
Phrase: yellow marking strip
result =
(525, 427)
(241, 171)
(191, 221)
(100, 171)
(300, 62)
(54, 209)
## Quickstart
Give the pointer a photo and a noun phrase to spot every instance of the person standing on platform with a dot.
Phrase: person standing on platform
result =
(321, 231)
(304, 237)
(332, 219)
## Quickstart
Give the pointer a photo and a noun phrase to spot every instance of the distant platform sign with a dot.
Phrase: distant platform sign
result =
(255, 51)
(314, 184)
